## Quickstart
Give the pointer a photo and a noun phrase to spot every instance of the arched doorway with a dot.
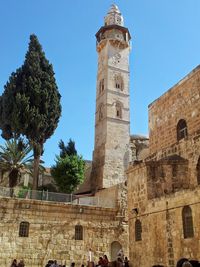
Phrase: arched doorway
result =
(115, 247)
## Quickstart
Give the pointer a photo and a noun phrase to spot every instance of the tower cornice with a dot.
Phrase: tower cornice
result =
(110, 27)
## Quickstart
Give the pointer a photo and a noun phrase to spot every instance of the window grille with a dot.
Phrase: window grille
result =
(138, 230)
(188, 230)
(78, 232)
(24, 229)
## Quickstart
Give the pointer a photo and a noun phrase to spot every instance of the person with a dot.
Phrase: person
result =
(120, 254)
(119, 262)
(105, 261)
(90, 258)
(100, 262)
(54, 264)
(21, 264)
(14, 263)
(50, 262)
(187, 264)
(126, 262)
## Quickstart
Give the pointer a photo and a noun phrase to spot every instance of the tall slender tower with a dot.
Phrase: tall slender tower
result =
(112, 122)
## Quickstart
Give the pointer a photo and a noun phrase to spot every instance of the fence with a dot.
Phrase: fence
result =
(57, 197)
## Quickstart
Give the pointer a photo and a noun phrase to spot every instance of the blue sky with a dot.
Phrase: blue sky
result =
(165, 47)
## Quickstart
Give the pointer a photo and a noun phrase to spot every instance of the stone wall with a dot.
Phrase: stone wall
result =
(52, 232)
(180, 102)
(162, 226)
(167, 180)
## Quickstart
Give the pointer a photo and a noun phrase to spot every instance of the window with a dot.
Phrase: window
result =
(78, 232)
(198, 171)
(24, 229)
(101, 86)
(101, 112)
(119, 82)
(181, 129)
(138, 230)
(118, 110)
(187, 222)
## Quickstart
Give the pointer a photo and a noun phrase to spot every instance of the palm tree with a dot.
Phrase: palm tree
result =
(14, 158)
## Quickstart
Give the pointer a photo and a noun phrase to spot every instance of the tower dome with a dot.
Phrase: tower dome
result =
(114, 17)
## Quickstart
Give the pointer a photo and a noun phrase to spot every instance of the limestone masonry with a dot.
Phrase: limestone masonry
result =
(153, 182)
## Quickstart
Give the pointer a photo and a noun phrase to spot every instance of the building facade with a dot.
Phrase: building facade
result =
(163, 189)
(37, 231)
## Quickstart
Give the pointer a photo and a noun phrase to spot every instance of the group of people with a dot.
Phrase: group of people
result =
(53, 263)
(19, 264)
(102, 262)
(121, 261)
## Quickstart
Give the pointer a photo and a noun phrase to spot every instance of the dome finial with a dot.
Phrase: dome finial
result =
(114, 16)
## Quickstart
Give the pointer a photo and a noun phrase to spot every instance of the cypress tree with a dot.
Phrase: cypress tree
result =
(30, 105)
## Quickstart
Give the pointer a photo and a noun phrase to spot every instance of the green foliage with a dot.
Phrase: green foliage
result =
(23, 192)
(68, 149)
(14, 158)
(68, 172)
(30, 104)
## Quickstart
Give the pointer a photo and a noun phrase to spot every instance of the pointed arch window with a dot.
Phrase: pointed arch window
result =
(181, 129)
(24, 229)
(138, 230)
(119, 84)
(198, 171)
(118, 110)
(101, 86)
(188, 230)
(78, 232)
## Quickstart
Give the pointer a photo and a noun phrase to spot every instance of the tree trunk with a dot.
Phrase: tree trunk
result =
(37, 153)
(36, 172)
(13, 176)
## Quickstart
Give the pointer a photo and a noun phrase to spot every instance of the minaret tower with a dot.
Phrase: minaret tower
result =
(112, 122)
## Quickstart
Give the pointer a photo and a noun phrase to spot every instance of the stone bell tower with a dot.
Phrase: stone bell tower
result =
(112, 122)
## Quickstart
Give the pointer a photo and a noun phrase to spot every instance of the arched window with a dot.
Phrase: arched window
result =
(188, 230)
(101, 112)
(24, 229)
(118, 110)
(119, 82)
(198, 171)
(78, 232)
(138, 230)
(101, 86)
(181, 129)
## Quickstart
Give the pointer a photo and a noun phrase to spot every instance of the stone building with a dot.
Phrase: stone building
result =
(163, 188)
(37, 230)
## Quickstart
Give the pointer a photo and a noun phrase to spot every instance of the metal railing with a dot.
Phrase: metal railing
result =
(57, 197)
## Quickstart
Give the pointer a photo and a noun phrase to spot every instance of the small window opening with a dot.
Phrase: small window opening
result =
(138, 230)
(24, 229)
(188, 230)
(181, 130)
(78, 232)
